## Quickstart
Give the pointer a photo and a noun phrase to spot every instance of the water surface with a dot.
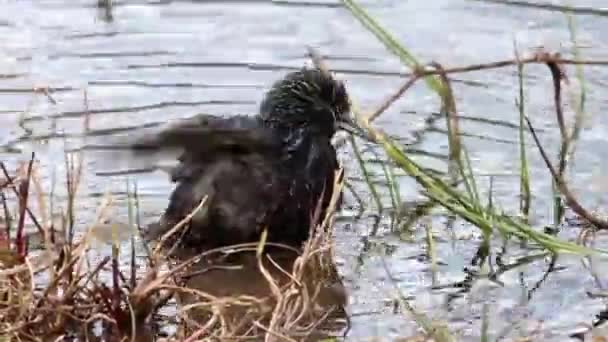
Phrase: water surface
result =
(153, 61)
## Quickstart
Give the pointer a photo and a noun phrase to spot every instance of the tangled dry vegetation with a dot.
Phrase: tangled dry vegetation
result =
(53, 289)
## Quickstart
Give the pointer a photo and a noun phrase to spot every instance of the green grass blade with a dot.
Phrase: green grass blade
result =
(366, 174)
(484, 219)
(579, 108)
(524, 172)
(390, 42)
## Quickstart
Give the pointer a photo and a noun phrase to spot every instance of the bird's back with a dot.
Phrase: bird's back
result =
(274, 182)
(241, 190)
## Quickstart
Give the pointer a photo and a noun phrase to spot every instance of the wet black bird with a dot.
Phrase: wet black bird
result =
(268, 170)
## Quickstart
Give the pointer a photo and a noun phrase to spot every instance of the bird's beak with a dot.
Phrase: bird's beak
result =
(349, 125)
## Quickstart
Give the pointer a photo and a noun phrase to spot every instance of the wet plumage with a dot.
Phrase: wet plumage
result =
(267, 170)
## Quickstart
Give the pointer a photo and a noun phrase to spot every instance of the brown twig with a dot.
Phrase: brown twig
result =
(7, 216)
(420, 72)
(70, 179)
(557, 74)
(538, 58)
(563, 188)
(23, 198)
(11, 180)
(449, 106)
(391, 99)
(47, 92)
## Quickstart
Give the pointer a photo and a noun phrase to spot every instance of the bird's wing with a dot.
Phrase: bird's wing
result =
(207, 133)
(194, 137)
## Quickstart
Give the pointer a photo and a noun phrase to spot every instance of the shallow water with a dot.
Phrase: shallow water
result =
(158, 60)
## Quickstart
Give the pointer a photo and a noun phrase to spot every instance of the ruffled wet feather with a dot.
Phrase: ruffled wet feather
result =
(263, 171)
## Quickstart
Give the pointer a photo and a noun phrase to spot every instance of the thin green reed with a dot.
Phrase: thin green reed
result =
(439, 332)
(524, 172)
(485, 323)
(468, 177)
(490, 209)
(390, 42)
(448, 108)
(579, 108)
(485, 219)
(393, 188)
(392, 193)
(431, 250)
(366, 174)
(130, 205)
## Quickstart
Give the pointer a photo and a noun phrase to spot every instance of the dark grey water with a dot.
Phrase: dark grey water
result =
(159, 60)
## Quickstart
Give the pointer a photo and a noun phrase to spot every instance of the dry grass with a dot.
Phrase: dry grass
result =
(53, 291)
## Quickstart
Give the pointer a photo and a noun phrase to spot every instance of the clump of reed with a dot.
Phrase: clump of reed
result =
(53, 288)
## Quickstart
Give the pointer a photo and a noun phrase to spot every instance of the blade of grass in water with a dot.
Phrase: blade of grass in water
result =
(485, 323)
(393, 190)
(524, 173)
(448, 109)
(438, 332)
(469, 179)
(366, 174)
(463, 206)
(490, 194)
(131, 215)
(432, 255)
(390, 42)
(486, 234)
(395, 185)
(558, 206)
(579, 108)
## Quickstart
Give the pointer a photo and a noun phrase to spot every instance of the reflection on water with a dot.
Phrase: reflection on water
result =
(143, 63)
(236, 289)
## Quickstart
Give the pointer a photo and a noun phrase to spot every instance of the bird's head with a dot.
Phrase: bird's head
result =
(310, 98)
